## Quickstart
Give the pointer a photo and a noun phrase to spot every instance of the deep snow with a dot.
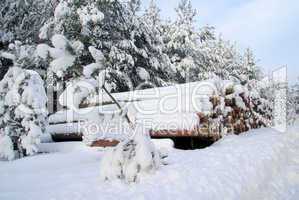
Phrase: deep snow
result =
(262, 164)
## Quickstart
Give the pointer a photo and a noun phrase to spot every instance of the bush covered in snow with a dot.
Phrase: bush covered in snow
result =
(22, 112)
(131, 158)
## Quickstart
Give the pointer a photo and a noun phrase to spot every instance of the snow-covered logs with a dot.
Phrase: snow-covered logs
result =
(225, 108)
(236, 109)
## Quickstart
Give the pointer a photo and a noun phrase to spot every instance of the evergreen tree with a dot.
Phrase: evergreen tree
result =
(218, 57)
(221, 58)
(137, 48)
(22, 19)
(22, 112)
(207, 33)
(138, 57)
(250, 69)
(155, 61)
(293, 102)
(182, 41)
(22, 56)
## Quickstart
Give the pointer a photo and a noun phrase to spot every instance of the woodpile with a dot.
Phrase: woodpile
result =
(236, 113)
(233, 113)
(235, 110)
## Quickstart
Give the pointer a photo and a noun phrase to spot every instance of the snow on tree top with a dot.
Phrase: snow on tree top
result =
(62, 10)
(89, 14)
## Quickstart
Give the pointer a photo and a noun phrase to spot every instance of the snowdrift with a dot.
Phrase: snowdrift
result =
(260, 164)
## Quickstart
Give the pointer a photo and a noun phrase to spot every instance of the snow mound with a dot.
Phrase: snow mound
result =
(131, 159)
(262, 164)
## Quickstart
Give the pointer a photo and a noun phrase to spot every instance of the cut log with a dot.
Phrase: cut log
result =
(105, 143)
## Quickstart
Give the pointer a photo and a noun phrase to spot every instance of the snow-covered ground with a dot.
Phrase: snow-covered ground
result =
(263, 164)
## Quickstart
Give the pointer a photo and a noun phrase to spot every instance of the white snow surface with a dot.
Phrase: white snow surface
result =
(262, 164)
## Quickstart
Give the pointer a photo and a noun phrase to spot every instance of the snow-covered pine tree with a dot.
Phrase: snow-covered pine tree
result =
(5, 63)
(23, 56)
(133, 54)
(69, 72)
(23, 114)
(293, 102)
(63, 58)
(22, 19)
(152, 61)
(65, 20)
(296, 94)
(182, 41)
(136, 56)
(101, 24)
(221, 58)
(218, 57)
(207, 33)
(88, 85)
(249, 68)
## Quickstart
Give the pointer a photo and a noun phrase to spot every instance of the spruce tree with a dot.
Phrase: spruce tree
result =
(182, 40)
(22, 19)
(22, 112)
(250, 69)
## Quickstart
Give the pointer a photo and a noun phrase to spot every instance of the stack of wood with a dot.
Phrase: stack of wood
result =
(235, 113)
(235, 110)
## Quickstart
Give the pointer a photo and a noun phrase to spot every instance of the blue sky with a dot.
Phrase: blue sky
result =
(269, 27)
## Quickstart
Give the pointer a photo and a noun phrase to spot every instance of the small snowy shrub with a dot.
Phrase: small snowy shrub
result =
(6, 147)
(22, 112)
(131, 159)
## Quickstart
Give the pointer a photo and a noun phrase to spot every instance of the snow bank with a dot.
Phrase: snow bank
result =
(262, 164)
